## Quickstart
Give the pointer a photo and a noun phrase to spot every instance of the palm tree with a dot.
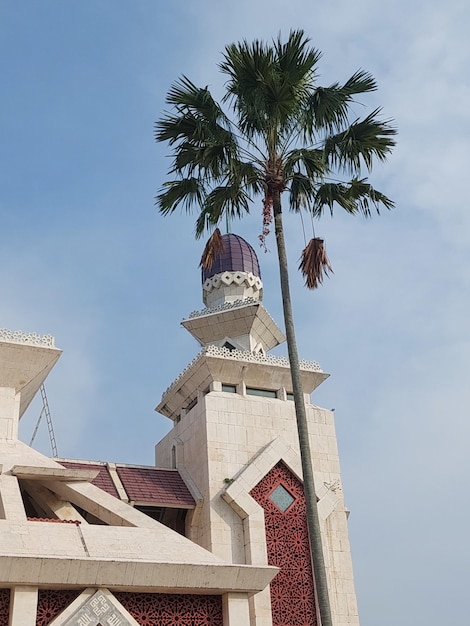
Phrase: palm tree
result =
(279, 133)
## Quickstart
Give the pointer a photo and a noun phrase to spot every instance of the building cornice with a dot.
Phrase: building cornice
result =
(234, 367)
(242, 317)
(131, 575)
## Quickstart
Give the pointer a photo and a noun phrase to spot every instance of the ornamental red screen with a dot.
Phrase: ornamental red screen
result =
(165, 609)
(51, 602)
(281, 495)
(4, 606)
(149, 609)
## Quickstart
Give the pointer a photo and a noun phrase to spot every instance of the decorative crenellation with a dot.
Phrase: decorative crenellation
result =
(32, 339)
(244, 355)
(224, 307)
(228, 278)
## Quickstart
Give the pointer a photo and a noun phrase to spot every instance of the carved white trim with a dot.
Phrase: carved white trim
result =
(226, 306)
(32, 339)
(227, 278)
(237, 493)
(247, 357)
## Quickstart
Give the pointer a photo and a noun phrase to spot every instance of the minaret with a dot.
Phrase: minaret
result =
(235, 438)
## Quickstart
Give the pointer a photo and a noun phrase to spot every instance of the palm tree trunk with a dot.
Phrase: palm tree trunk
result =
(316, 548)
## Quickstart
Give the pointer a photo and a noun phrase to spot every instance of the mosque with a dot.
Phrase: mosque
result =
(215, 533)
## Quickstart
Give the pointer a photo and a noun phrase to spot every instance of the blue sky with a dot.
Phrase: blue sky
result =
(85, 257)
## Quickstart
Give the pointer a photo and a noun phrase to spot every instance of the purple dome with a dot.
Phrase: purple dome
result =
(237, 256)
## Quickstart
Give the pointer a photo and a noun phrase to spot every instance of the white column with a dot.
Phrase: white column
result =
(23, 606)
(11, 502)
(260, 607)
(9, 413)
(236, 610)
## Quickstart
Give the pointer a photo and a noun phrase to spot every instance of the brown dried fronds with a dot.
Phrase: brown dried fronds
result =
(314, 264)
(214, 248)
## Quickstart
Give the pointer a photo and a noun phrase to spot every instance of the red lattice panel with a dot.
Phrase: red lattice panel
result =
(164, 609)
(4, 606)
(51, 602)
(292, 590)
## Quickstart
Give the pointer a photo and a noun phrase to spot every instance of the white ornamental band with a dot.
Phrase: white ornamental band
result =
(228, 278)
(32, 339)
(226, 306)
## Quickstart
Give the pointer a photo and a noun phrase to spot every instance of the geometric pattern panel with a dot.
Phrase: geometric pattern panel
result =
(292, 590)
(102, 609)
(4, 606)
(51, 602)
(165, 609)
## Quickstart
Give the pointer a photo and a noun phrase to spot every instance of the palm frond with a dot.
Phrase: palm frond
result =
(355, 196)
(360, 82)
(186, 97)
(311, 162)
(209, 162)
(302, 192)
(361, 143)
(314, 263)
(186, 192)
(248, 65)
(228, 199)
(268, 84)
(365, 197)
(295, 58)
(201, 146)
(329, 194)
(213, 249)
(328, 107)
(173, 128)
(248, 175)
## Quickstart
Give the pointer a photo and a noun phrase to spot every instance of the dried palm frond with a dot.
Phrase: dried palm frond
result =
(214, 248)
(314, 264)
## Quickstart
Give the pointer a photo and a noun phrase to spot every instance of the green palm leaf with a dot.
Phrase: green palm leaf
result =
(361, 143)
(328, 107)
(229, 200)
(187, 192)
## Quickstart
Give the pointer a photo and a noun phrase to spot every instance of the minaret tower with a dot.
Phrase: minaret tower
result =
(235, 439)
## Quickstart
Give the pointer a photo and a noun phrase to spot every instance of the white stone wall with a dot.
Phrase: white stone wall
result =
(221, 436)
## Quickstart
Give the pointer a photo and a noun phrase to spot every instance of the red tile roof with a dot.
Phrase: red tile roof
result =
(54, 520)
(146, 485)
(151, 485)
(103, 480)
